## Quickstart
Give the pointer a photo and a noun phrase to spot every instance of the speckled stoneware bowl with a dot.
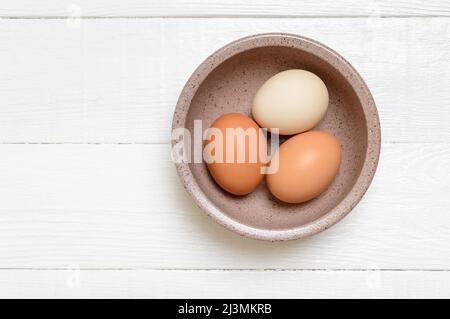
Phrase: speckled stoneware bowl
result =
(227, 82)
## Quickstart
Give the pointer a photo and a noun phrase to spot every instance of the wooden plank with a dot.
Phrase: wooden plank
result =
(72, 283)
(122, 206)
(118, 80)
(177, 8)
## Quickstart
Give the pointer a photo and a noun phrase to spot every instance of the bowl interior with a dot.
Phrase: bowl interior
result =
(231, 87)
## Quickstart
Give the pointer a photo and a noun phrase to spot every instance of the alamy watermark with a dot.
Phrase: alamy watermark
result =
(235, 145)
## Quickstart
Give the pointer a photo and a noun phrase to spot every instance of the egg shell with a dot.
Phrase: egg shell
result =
(293, 101)
(239, 178)
(307, 164)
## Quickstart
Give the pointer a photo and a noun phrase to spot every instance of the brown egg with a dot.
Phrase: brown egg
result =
(236, 164)
(307, 164)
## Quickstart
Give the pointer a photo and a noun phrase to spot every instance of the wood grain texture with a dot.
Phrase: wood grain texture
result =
(118, 80)
(122, 206)
(72, 283)
(211, 8)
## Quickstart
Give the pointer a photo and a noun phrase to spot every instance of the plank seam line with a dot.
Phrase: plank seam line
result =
(226, 269)
(168, 143)
(223, 16)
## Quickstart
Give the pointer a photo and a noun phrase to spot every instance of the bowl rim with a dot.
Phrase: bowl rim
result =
(369, 110)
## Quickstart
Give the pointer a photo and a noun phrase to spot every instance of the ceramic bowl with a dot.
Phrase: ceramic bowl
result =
(227, 82)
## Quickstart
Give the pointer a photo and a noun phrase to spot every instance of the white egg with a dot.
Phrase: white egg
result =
(293, 101)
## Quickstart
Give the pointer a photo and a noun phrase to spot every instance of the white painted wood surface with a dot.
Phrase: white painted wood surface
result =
(212, 8)
(118, 80)
(85, 176)
(70, 283)
(122, 206)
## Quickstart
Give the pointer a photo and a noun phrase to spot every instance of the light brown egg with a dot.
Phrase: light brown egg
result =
(244, 153)
(307, 164)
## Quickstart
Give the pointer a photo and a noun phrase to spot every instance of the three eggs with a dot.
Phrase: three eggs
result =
(289, 103)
